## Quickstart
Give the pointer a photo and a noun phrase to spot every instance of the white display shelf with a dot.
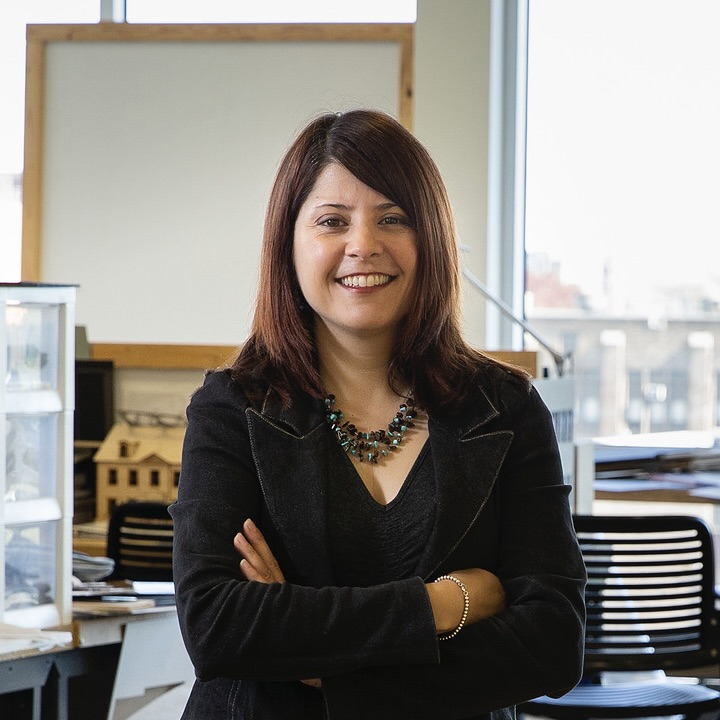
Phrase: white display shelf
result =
(37, 394)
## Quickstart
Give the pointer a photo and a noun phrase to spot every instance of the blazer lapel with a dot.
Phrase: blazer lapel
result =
(290, 452)
(467, 462)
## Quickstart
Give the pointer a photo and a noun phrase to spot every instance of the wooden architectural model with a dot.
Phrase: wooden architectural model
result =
(136, 463)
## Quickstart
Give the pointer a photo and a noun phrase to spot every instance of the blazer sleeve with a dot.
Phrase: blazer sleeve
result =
(535, 646)
(280, 631)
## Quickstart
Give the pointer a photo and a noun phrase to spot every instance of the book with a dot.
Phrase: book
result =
(111, 605)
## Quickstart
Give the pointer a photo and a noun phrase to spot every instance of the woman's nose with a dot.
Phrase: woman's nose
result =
(363, 241)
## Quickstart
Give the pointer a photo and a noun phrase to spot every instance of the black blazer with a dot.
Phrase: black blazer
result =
(501, 505)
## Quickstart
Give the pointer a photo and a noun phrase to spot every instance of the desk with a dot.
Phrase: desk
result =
(22, 678)
(111, 662)
(152, 653)
(702, 487)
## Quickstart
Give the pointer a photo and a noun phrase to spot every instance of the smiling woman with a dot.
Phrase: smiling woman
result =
(328, 569)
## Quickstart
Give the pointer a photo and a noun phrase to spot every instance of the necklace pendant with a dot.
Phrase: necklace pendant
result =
(369, 446)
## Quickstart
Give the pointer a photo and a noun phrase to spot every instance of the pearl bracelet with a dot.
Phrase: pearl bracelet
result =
(466, 606)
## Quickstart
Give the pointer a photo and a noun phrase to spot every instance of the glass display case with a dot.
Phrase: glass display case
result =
(37, 356)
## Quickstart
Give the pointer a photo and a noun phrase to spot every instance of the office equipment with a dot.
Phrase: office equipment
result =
(94, 400)
(94, 415)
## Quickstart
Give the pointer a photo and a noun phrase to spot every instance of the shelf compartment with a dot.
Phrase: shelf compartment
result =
(30, 565)
(31, 445)
(32, 345)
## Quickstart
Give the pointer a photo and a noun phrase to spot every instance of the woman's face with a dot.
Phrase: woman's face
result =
(355, 255)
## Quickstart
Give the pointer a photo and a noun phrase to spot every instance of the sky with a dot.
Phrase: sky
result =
(623, 141)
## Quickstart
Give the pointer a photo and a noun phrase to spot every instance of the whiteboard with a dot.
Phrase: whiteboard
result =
(156, 159)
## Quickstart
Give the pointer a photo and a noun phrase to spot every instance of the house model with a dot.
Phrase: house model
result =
(137, 463)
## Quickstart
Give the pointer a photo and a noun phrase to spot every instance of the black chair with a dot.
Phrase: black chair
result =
(140, 540)
(651, 608)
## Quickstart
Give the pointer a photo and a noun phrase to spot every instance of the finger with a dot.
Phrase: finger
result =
(252, 559)
(257, 539)
(250, 573)
(266, 568)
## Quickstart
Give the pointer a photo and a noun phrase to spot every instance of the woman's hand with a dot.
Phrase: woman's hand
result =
(487, 598)
(258, 563)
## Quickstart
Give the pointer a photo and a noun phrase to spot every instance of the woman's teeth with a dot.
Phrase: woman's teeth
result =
(365, 280)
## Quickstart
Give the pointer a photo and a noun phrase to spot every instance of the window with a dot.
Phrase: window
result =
(13, 18)
(621, 241)
(269, 11)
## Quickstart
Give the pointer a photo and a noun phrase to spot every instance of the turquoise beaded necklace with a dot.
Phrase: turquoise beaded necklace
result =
(369, 446)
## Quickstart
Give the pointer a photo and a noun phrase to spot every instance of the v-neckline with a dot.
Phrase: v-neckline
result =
(357, 477)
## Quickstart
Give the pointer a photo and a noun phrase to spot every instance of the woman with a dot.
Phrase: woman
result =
(325, 569)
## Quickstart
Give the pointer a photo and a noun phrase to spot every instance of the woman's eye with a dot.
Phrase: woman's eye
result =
(394, 220)
(331, 222)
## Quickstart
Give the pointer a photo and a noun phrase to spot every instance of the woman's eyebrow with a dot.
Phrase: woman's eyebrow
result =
(341, 206)
(336, 206)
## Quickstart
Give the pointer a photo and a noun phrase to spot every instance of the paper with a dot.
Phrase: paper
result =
(147, 587)
(14, 638)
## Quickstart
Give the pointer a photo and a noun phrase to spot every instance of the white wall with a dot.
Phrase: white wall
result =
(157, 162)
(162, 391)
(452, 71)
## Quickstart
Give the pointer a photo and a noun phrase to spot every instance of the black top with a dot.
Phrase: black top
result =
(373, 543)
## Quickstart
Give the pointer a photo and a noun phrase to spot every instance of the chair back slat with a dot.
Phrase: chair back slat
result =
(140, 540)
(650, 595)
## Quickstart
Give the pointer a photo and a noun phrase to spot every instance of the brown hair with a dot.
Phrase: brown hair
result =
(430, 353)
